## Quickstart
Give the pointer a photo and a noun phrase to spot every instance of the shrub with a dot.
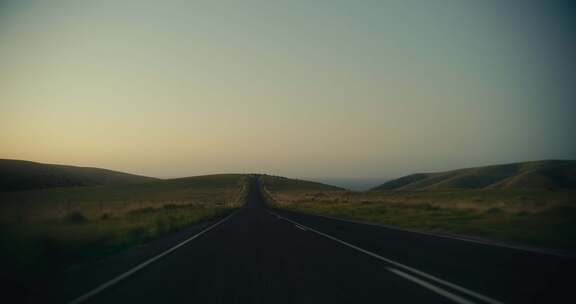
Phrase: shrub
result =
(421, 206)
(161, 226)
(75, 217)
(142, 211)
(137, 233)
(494, 210)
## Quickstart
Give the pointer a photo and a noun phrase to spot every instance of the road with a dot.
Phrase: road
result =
(263, 255)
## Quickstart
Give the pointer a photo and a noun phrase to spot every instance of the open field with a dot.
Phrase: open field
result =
(60, 227)
(534, 217)
(116, 200)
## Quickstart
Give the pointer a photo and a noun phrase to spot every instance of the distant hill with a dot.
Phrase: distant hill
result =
(355, 184)
(546, 174)
(278, 183)
(18, 175)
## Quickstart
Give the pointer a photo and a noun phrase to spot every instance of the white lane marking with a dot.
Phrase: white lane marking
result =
(300, 227)
(464, 238)
(130, 272)
(440, 291)
(397, 264)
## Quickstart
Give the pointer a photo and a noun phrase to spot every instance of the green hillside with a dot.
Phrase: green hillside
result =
(18, 175)
(547, 174)
(278, 183)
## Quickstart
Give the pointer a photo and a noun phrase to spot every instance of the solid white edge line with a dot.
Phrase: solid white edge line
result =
(440, 291)
(457, 237)
(413, 270)
(130, 272)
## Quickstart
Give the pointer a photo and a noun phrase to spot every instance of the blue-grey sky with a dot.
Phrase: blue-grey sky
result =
(297, 88)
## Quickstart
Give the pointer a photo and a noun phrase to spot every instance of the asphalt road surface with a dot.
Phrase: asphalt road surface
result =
(263, 255)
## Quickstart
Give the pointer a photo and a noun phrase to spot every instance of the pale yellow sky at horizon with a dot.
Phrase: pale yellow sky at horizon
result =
(296, 88)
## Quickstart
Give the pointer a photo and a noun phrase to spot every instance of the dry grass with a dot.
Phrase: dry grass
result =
(539, 217)
(116, 201)
(60, 227)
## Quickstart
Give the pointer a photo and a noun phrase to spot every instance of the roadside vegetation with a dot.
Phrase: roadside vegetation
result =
(59, 227)
(542, 218)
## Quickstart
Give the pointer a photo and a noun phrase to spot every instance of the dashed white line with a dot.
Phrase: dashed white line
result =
(440, 291)
(464, 238)
(400, 265)
(300, 227)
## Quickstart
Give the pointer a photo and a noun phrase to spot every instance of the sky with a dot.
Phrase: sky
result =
(300, 88)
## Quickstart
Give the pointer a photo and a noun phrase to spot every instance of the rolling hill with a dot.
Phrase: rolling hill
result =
(206, 188)
(546, 174)
(16, 175)
(277, 183)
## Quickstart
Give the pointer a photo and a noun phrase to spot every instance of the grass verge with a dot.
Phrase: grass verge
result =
(45, 232)
(538, 218)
